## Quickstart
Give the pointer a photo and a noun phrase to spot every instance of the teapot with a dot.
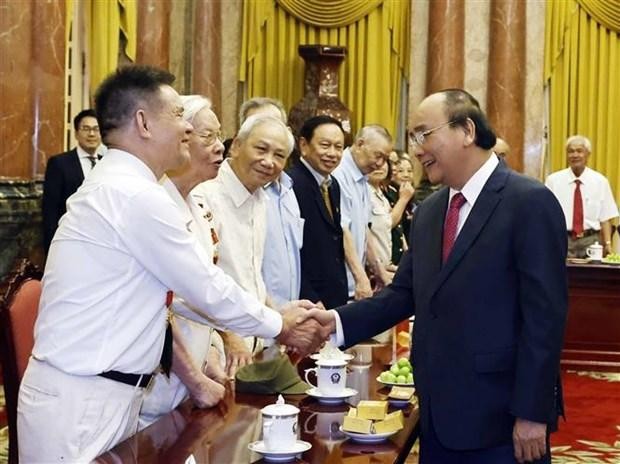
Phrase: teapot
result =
(280, 425)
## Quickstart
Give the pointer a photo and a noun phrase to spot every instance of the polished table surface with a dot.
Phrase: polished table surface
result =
(221, 435)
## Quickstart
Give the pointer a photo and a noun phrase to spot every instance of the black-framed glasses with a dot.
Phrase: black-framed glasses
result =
(209, 138)
(418, 138)
(88, 129)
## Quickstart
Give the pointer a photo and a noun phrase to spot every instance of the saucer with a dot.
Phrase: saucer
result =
(334, 398)
(279, 456)
(368, 437)
(394, 384)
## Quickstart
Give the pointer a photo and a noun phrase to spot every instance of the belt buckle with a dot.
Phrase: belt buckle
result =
(148, 385)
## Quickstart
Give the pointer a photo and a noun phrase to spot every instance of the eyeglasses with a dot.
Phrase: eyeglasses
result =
(418, 138)
(209, 138)
(88, 129)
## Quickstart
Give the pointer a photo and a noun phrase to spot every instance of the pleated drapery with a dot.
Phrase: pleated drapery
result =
(582, 70)
(107, 21)
(329, 13)
(370, 77)
(604, 12)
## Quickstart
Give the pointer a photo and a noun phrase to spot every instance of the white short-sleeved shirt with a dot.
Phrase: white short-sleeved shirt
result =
(354, 207)
(241, 228)
(121, 246)
(598, 201)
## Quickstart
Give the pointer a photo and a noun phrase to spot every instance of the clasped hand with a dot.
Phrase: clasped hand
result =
(305, 327)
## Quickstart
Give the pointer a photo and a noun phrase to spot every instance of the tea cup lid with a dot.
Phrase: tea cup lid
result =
(596, 245)
(280, 408)
(331, 362)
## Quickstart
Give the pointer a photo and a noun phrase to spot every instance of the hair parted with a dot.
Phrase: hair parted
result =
(81, 115)
(310, 125)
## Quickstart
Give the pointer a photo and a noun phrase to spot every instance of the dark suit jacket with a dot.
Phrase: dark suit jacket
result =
(489, 323)
(63, 176)
(323, 272)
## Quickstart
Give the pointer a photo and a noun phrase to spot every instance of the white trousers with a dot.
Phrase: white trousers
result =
(70, 418)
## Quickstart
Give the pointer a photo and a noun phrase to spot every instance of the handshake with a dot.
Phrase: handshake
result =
(305, 327)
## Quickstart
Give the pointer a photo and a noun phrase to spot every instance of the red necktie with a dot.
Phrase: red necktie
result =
(451, 225)
(577, 211)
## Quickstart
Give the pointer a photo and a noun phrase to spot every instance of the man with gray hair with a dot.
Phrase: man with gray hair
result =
(586, 199)
(371, 148)
(258, 155)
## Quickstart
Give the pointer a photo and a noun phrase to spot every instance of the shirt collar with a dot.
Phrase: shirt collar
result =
(349, 163)
(572, 177)
(237, 191)
(132, 162)
(84, 154)
(320, 178)
(280, 186)
(472, 188)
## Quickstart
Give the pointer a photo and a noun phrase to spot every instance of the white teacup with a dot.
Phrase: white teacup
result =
(331, 376)
(595, 252)
(279, 426)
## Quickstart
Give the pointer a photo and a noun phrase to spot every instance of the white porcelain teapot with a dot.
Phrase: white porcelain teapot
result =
(280, 425)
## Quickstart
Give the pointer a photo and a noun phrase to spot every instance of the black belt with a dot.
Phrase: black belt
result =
(141, 380)
(585, 233)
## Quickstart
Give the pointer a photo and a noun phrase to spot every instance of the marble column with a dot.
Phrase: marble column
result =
(446, 51)
(207, 51)
(506, 75)
(154, 33)
(48, 76)
(16, 88)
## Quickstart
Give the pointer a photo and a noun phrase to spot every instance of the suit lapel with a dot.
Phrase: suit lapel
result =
(486, 203)
(76, 167)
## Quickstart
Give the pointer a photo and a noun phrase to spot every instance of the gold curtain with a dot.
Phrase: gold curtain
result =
(329, 13)
(605, 12)
(370, 78)
(582, 70)
(107, 20)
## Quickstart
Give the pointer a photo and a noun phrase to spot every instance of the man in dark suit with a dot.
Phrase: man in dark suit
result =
(486, 280)
(65, 172)
(323, 271)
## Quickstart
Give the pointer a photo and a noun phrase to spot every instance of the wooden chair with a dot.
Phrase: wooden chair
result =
(19, 306)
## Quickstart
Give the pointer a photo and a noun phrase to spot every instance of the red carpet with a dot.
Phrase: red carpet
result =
(591, 433)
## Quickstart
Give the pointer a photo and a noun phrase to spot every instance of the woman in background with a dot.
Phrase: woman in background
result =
(400, 193)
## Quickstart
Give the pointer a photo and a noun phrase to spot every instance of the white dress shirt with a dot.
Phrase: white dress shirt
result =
(121, 246)
(84, 158)
(354, 207)
(471, 191)
(241, 228)
(598, 201)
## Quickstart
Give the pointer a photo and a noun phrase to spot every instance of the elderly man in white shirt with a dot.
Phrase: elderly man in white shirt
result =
(369, 151)
(258, 155)
(120, 249)
(586, 199)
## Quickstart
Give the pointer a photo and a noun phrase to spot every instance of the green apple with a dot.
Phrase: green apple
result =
(395, 369)
(401, 379)
(404, 371)
(402, 362)
(410, 378)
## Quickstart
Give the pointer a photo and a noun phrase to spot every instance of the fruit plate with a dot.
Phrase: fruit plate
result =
(611, 263)
(395, 384)
(368, 437)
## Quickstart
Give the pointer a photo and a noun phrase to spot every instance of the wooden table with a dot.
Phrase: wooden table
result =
(221, 435)
(592, 338)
